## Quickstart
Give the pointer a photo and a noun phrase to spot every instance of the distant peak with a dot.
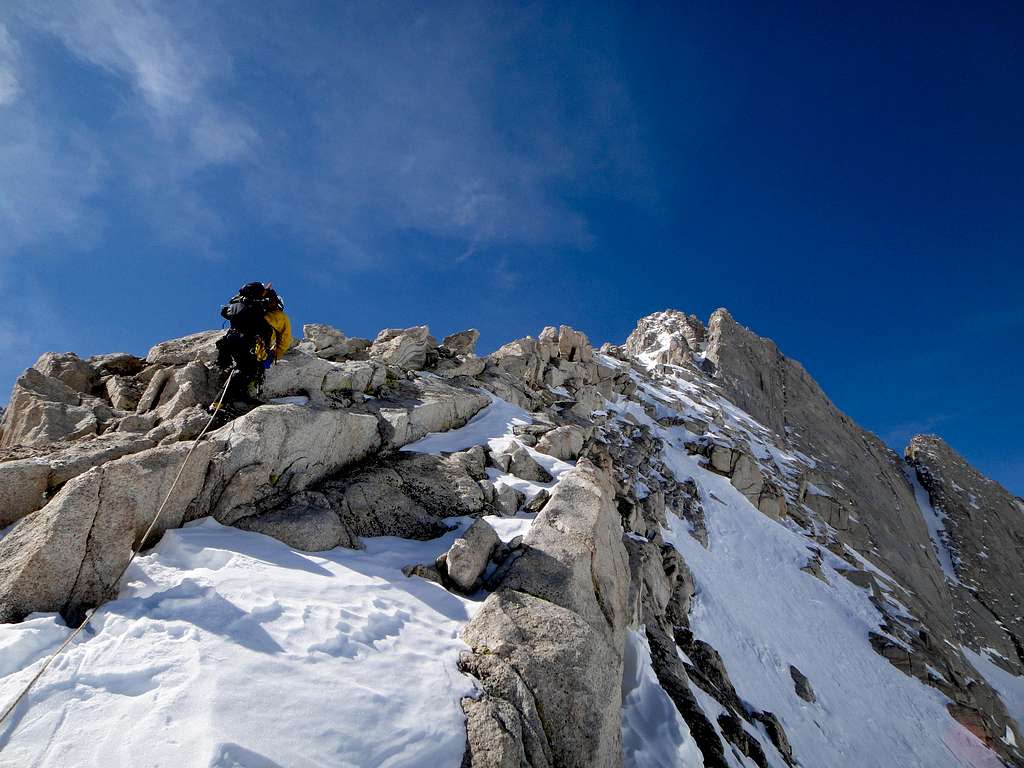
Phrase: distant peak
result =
(669, 336)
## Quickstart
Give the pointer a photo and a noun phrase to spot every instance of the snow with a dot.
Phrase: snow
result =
(648, 357)
(654, 735)
(936, 525)
(508, 528)
(1009, 687)
(762, 614)
(228, 648)
(493, 422)
(7, 529)
(492, 427)
(23, 644)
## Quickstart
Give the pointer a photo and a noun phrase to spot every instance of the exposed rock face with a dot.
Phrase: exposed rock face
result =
(200, 346)
(407, 348)
(985, 534)
(62, 557)
(323, 381)
(565, 443)
(331, 344)
(23, 485)
(265, 453)
(309, 524)
(407, 494)
(858, 472)
(414, 409)
(68, 368)
(462, 343)
(43, 410)
(547, 645)
(469, 555)
(667, 337)
(117, 364)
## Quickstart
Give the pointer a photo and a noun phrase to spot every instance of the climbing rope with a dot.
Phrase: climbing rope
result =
(135, 551)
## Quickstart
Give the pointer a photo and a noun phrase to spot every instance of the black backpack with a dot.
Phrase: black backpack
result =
(246, 311)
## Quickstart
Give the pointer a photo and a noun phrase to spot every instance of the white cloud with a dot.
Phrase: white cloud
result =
(132, 40)
(172, 63)
(170, 130)
(222, 138)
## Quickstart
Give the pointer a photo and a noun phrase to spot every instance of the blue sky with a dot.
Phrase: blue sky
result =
(848, 182)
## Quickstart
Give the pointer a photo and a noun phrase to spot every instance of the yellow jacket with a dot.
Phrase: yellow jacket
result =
(282, 338)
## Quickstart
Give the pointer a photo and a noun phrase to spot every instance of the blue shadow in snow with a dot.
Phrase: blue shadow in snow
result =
(203, 607)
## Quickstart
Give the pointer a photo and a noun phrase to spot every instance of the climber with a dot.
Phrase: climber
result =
(260, 334)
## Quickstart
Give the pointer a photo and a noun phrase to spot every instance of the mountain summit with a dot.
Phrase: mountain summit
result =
(674, 551)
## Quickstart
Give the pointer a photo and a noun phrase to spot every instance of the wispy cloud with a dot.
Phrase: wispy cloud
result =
(429, 125)
(9, 88)
(47, 177)
(169, 127)
(473, 124)
(170, 63)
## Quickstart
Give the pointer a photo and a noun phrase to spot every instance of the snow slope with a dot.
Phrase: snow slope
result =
(654, 735)
(762, 614)
(936, 525)
(1010, 687)
(229, 648)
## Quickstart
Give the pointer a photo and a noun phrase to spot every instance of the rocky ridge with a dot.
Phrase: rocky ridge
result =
(91, 445)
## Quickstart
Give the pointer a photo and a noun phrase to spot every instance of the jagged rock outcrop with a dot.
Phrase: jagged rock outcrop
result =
(406, 348)
(68, 368)
(557, 369)
(462, 343)
(465, 561)
(96, 495)
(547, 644)
(44, 409)
(667, 337)
(332, 344)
